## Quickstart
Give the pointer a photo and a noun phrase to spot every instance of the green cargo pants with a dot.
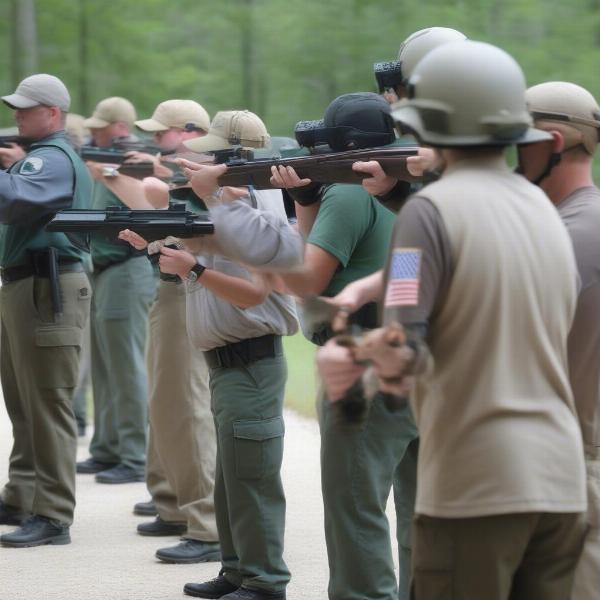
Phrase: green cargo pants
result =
(39, 366)
(247, 404)
(119, 321)
(359, 465)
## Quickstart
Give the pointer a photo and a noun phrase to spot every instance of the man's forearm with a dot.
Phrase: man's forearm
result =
(236, 291)
(129, 190)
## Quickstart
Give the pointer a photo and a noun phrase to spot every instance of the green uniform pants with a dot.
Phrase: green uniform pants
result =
(182, 447)
(359, 465)
(247, 404)
(39, 365)
(528, 556)
(119, 320)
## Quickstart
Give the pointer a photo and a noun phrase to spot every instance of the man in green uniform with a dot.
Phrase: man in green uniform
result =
(45, 298)
(501, 476)
(348, 235)
(124, 287)
(563, 169)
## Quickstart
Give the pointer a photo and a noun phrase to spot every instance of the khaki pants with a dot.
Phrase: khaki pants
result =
(587, 574)
(182, 455)
(529, 556)
(39, 367)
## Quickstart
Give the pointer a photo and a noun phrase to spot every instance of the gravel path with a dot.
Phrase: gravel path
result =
(107, 560)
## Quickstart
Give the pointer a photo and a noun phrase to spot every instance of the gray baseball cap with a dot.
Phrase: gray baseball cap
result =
(40, 89)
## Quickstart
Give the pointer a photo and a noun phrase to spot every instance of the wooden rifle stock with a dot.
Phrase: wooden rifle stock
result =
(335, 167)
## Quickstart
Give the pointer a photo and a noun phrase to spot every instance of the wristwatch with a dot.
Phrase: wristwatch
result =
(195, 272)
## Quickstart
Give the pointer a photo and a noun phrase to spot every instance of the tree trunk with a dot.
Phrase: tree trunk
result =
(24, 40)
(83, 58)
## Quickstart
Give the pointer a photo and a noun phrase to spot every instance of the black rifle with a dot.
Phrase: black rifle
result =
(7, 140)
(388, 75)
(152, 225)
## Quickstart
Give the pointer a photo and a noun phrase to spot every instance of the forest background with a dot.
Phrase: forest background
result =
(283, 59)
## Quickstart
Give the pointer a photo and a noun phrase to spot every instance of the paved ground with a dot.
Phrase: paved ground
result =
(107, 560)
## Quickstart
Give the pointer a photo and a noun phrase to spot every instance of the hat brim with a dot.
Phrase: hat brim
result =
(410, 119)
(16, 101)
(95, 123)
(151, 125)
(207, 143)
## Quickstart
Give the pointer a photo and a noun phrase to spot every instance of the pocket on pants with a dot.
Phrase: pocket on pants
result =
(57, 356)
(258, 447)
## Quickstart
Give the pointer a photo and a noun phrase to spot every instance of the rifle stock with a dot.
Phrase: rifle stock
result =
(335, 167)
(152, 225)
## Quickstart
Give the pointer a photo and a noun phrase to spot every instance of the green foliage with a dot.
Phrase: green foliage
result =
(301, 389)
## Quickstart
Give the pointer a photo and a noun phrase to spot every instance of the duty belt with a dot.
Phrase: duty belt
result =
(240, 354)
(39, 269)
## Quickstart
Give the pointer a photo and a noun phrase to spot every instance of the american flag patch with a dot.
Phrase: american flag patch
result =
(403, 282)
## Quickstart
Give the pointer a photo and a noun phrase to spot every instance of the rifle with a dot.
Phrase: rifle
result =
(333, 167)
(117, 155)
(7, 140)
(388, 75)
(152, 225)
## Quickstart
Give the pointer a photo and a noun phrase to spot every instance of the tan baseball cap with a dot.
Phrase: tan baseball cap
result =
(232, 128)
(40, 89)
(176, 113)
(111, 110)
(569, 108)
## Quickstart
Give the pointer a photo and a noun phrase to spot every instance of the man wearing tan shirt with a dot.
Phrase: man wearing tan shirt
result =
(486, 302)
(563, 169)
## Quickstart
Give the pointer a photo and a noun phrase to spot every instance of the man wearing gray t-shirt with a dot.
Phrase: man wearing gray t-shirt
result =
(563, 169)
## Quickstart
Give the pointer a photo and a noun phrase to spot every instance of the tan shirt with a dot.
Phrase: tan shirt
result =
(496, 282)
(580, 212)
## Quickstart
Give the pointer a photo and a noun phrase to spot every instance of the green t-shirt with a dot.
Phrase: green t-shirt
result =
(106, 250)
(354, 228)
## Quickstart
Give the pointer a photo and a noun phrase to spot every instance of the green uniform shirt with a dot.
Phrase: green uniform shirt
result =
(354, 228)
(106, 250)
(50, 178)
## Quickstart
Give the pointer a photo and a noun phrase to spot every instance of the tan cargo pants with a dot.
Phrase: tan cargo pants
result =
(529, 556)
(182, 453)
(39, 367)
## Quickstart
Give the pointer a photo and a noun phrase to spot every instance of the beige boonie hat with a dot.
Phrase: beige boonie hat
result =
(40, 89)
(232, 128)
(182, 114)
(111, 110)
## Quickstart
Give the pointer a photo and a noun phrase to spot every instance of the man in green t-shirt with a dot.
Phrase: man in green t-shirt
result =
(124, 287)
(347, 237)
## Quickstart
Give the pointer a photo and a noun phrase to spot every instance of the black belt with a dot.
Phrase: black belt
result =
(240, 354)
(39, 269)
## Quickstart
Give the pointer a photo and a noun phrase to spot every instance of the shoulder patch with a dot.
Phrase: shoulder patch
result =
(32, 165)
(403, 280)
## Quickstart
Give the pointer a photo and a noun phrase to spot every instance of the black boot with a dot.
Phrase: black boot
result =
(91, 465)
(145, 509)
(11, 515)
(190, 551)
(37, 531)
(158, 527)
(215, 588)
(120, 474)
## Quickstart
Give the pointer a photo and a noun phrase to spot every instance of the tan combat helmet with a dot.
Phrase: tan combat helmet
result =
(568, 108)
(419, 43)
(467, 94)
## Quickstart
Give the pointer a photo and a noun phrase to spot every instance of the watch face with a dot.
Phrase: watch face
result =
(192, 276)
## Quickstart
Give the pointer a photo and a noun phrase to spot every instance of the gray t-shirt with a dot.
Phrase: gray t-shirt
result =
(213, 322)
(580, 213)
